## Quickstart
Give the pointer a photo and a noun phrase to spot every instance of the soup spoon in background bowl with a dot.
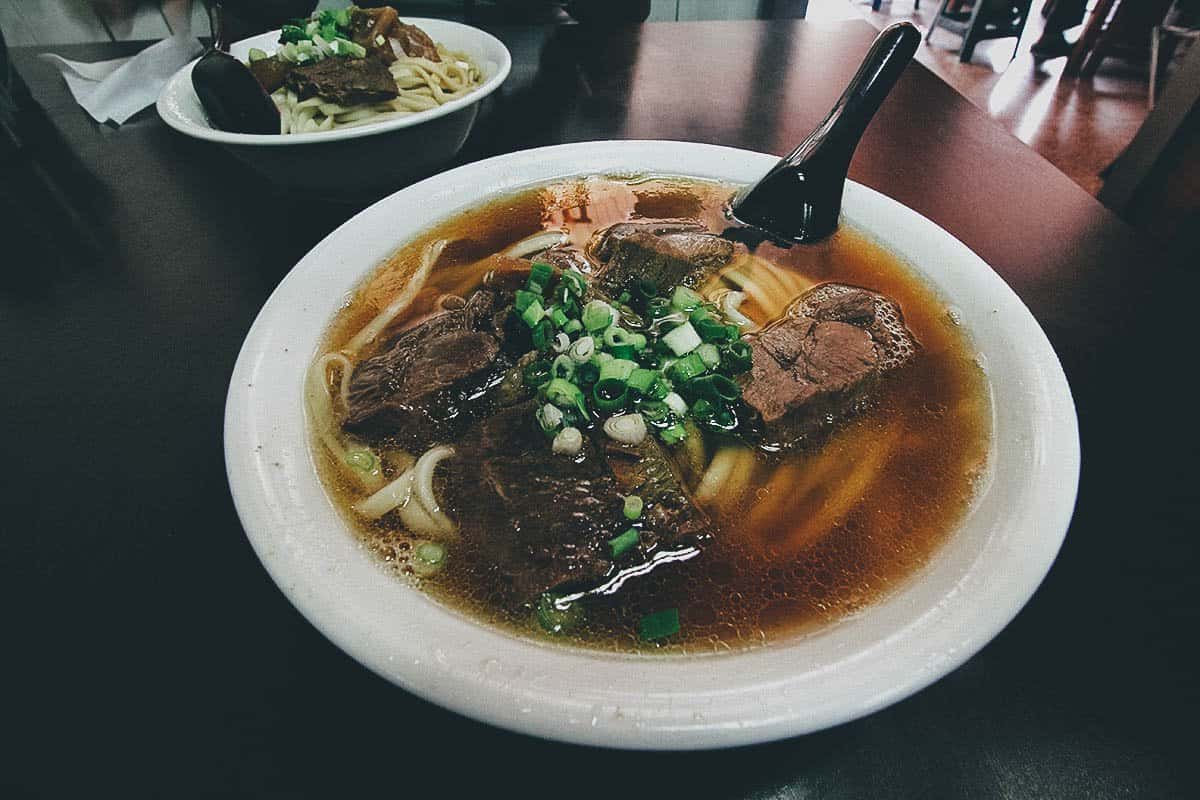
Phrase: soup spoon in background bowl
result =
(987, 569)
(364, 161)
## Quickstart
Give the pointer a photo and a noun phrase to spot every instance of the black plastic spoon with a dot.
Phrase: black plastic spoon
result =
(801, 197)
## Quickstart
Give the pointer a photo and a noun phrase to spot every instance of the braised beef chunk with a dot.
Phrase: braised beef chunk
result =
(270, 72)
(544, 521)
(646, 471)
(667, 253)
(415, 42)
(820, 361)
(345, 81)
(368, 24)
(430, 380)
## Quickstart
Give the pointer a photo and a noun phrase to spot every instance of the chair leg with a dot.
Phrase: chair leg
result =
(933, 23)
(1155, 33)
(970, 38)
(875, 4)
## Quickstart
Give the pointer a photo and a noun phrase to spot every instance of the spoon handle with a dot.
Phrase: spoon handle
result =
(801, 197)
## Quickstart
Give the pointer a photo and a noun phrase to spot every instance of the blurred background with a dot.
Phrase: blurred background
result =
(1106, 90)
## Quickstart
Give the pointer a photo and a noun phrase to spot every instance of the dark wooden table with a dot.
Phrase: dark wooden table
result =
(146, 652)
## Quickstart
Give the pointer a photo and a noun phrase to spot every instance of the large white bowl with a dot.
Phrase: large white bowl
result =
(974, 585)
(350, 161)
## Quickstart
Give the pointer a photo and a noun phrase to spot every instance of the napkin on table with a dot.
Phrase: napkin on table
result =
(120, 88)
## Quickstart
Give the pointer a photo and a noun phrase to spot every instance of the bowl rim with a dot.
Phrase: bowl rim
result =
(796, 687)
(181, 82)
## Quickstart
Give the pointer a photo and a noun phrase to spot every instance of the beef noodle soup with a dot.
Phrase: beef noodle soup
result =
(600, 413)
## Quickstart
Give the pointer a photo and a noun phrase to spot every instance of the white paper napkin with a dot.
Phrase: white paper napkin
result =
(120, 88)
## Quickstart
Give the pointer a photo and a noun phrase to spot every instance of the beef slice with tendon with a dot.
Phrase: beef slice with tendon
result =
(669, 254)
(671, 516)
(430, 380)
(542, 520)
(821, 360)
(345, 81)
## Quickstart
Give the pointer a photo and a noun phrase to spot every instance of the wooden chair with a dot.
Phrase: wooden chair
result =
(983, 19)
(1115, 29)
(1180, 25)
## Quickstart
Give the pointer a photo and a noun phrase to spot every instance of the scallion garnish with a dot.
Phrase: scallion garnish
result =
(556, 618)
(659, 625)
(610, 394)
(684, 299)
(687, 368)
(541, 273)
(640, 380)
(633, 507)
(682, 339)
(598, 315)
(533, 313)
(619, 545)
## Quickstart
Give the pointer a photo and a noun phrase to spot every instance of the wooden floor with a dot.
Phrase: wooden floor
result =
(1078, 125)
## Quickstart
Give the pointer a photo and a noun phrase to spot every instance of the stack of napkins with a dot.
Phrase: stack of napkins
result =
(116, 90)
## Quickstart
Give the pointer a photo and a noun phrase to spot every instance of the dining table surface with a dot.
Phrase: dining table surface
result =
(148, 653)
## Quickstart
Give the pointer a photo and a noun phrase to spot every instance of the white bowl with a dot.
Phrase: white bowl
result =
(348, 161)
(973, 586)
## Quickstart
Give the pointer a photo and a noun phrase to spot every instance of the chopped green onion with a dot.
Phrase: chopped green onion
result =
(659, 389)
(659, 625)
(655, 411)
(543, 334)
(292, 33)
(598, 315)
(568, 442)
(558, 317)
(561, 343)
(562, 367)
(684, 299)
(362, 460)
(610, 394)
(714, 387)
(736, 357)
(633, 507)
(640, 380)
(572, 326)
(709, 355)
(638, 341)
(428, 558)
(257, 55)
(624, 298)
(682, 340)
(574, 281)
(533, 313)
(582, 349)
(712, 330)
(676, 403)
(687, 367)
(565, 394)
(524, 299)
(673, 434)
(616, 335)
(619, 545)
(541, 273)
(623, 351)
(587, 373)
(618, 368)
(626, 428)
(549, 418)
(556, 619)
(347, 48)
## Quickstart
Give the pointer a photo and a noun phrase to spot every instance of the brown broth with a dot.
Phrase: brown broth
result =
(810, 536)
